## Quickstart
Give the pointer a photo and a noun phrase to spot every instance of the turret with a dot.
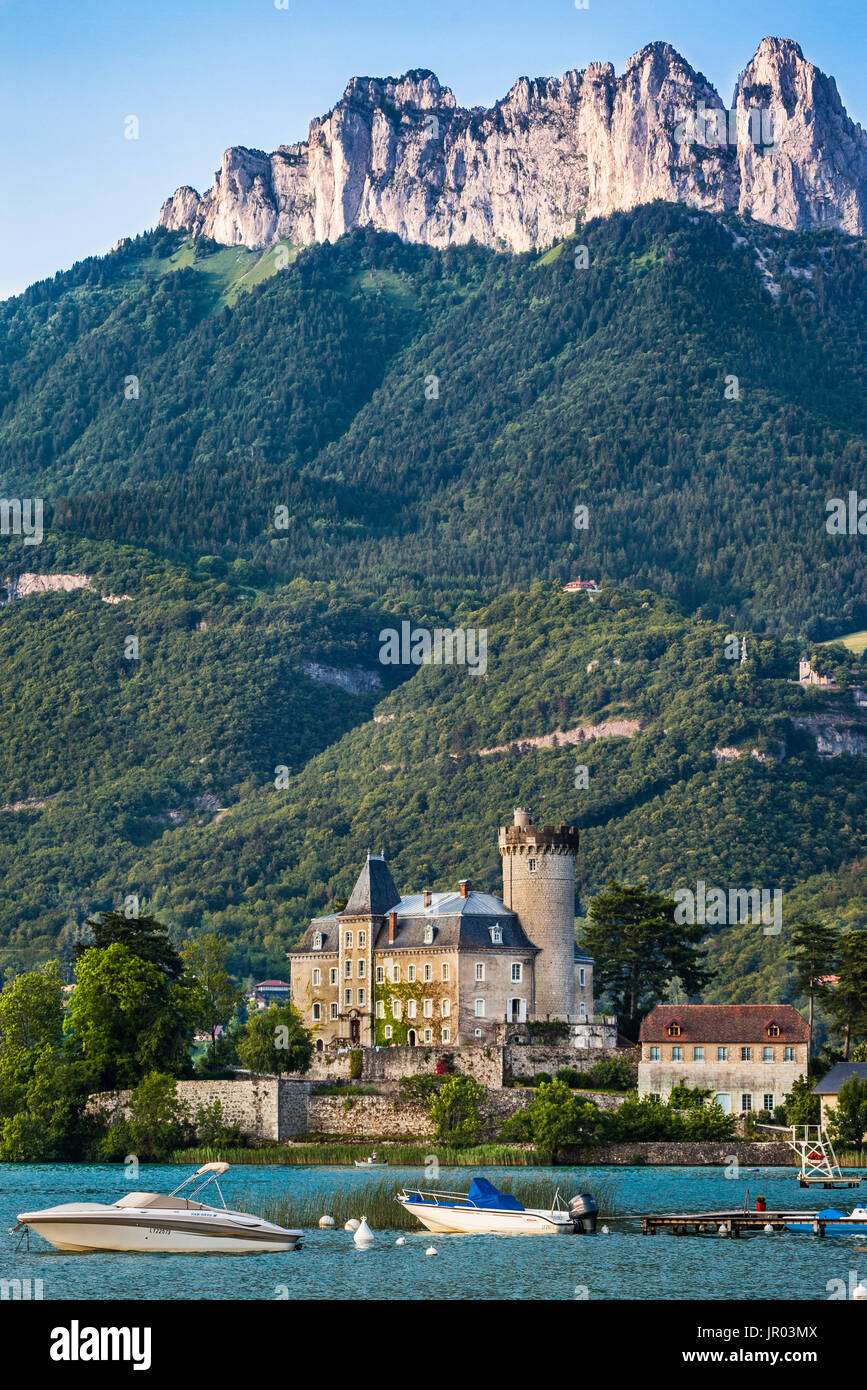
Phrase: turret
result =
(539, 885)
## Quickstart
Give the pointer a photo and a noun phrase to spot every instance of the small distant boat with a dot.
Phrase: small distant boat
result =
(372, 1162)
(486, 1210)
(837, 1223)
(146, 1222)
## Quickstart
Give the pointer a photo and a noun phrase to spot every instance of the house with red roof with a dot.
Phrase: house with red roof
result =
(747, 1055)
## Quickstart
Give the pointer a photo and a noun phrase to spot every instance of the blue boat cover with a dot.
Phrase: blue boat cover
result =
(484, 1194)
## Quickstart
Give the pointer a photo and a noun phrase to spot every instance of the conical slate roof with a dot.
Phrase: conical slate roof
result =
(374, 892)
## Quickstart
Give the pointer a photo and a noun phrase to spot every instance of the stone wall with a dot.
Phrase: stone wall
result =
(382, 1117)
(528, 1059)
(264, 1108)
(699, 1153)
(484, 1064)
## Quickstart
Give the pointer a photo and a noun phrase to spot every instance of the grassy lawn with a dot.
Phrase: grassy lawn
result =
(855, 641)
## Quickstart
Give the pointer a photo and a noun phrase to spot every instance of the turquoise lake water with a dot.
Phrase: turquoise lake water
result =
(622, 1265)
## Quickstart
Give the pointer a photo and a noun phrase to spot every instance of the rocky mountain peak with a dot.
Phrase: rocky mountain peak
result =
(397, 153)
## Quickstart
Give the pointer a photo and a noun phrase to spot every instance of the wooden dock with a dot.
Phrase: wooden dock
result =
(733, 1223)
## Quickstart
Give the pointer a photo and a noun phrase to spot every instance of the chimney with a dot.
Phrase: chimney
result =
(392, 925)
(426, 897)
(465, 888)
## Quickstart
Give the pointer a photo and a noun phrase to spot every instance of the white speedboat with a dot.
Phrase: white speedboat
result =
(486, 1210)
(149, 1221)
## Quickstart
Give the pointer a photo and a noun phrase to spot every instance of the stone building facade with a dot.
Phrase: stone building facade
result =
(448, 969)
(747, 1055)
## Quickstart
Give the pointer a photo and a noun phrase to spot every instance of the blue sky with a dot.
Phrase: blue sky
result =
(204, 74)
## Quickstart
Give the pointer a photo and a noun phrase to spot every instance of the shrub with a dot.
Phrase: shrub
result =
(420, 1087)
(517, 1128)
(557, 1118)
(455, 1110)
(356, 1064)
(612, 1074)
(542, 1078)
(569, 1076)
(211, 1130)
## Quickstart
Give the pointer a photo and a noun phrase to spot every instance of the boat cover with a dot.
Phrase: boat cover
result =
(484, 1194)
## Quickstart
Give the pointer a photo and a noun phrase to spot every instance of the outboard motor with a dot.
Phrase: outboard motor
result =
(583, 1210)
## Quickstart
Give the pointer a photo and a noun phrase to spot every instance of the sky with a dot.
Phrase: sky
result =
(200, 75)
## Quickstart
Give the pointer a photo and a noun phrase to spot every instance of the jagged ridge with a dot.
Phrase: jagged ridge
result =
(399, 155)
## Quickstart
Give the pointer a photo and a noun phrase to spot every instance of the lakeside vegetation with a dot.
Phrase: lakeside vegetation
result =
(337, 1153)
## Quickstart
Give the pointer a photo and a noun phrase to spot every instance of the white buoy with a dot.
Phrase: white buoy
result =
(605, 1231)
(352, 1224)
(364, 1235)
(860, 1291)
(722, 1231)
(401, 1240)
(431, 1250)
(769, 1230)
(326, 1220)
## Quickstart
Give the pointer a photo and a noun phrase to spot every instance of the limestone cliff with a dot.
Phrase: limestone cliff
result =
(398, 154)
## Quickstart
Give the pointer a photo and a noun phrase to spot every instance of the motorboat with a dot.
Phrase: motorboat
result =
(372, 1162)
(484, 1209)
(150, 1221)
(836, 1223)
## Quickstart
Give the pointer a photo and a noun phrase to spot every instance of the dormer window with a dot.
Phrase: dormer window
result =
(317, 941)
(428, 935)
(497, 935)
(773, 1030)
(674, 1030)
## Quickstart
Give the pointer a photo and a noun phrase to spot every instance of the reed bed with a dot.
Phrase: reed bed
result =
(376, 1201)
(344, 1155)
(848, 1158)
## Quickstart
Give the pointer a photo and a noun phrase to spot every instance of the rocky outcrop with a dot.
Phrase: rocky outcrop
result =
(399, 155)
(834, 735)
(26, 584)
(355, 680)
(564, 738)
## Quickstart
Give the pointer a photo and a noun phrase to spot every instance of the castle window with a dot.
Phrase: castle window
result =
(673, 1030)
(317, 976)
(447, 1035)
(347, 938)
(347, 969)
(479, 1008)
(746, 1054)
(428, 1008)
(395, 1008)
(698, 1054)
(380, 974)
(480, 973)
(677, 1054)
(332, 975)
(654, 1054)
(428, 971)
(388, 1030)
(767, 1054)
(773, 1030)
(517, 972)
(722, 1054)
(395, 974)
(746, 1103)
(790, 1054)
(362, 940)
(333, 1010)
(582, 1010)
(428, 1035)
(410, 1008)
(497, 934)
(361, 996)
(582, 976)
(347, 997)
(317, 941)
(531, 865)
(380, 1008)
(410, 974)
(445, 1008)
(361, 970)
(445, 970)
(428, 935)
(317, 1013)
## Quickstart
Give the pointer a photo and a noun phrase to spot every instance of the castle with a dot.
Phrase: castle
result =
(453, 968)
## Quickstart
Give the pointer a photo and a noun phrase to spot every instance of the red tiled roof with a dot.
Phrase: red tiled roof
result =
(736, 1023)
(284, 984)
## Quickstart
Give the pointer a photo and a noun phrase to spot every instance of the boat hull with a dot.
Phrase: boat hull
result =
(149, 1234)
(444, 1220)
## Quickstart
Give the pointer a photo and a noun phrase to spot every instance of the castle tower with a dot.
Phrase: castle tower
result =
(539, 885)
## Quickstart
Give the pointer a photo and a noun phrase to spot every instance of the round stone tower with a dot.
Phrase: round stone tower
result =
(539, 885)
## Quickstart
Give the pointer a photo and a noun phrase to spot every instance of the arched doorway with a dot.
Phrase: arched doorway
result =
(355, 1030)
(411, 1038)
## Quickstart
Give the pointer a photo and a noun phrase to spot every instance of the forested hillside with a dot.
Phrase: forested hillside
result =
(261, 461)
